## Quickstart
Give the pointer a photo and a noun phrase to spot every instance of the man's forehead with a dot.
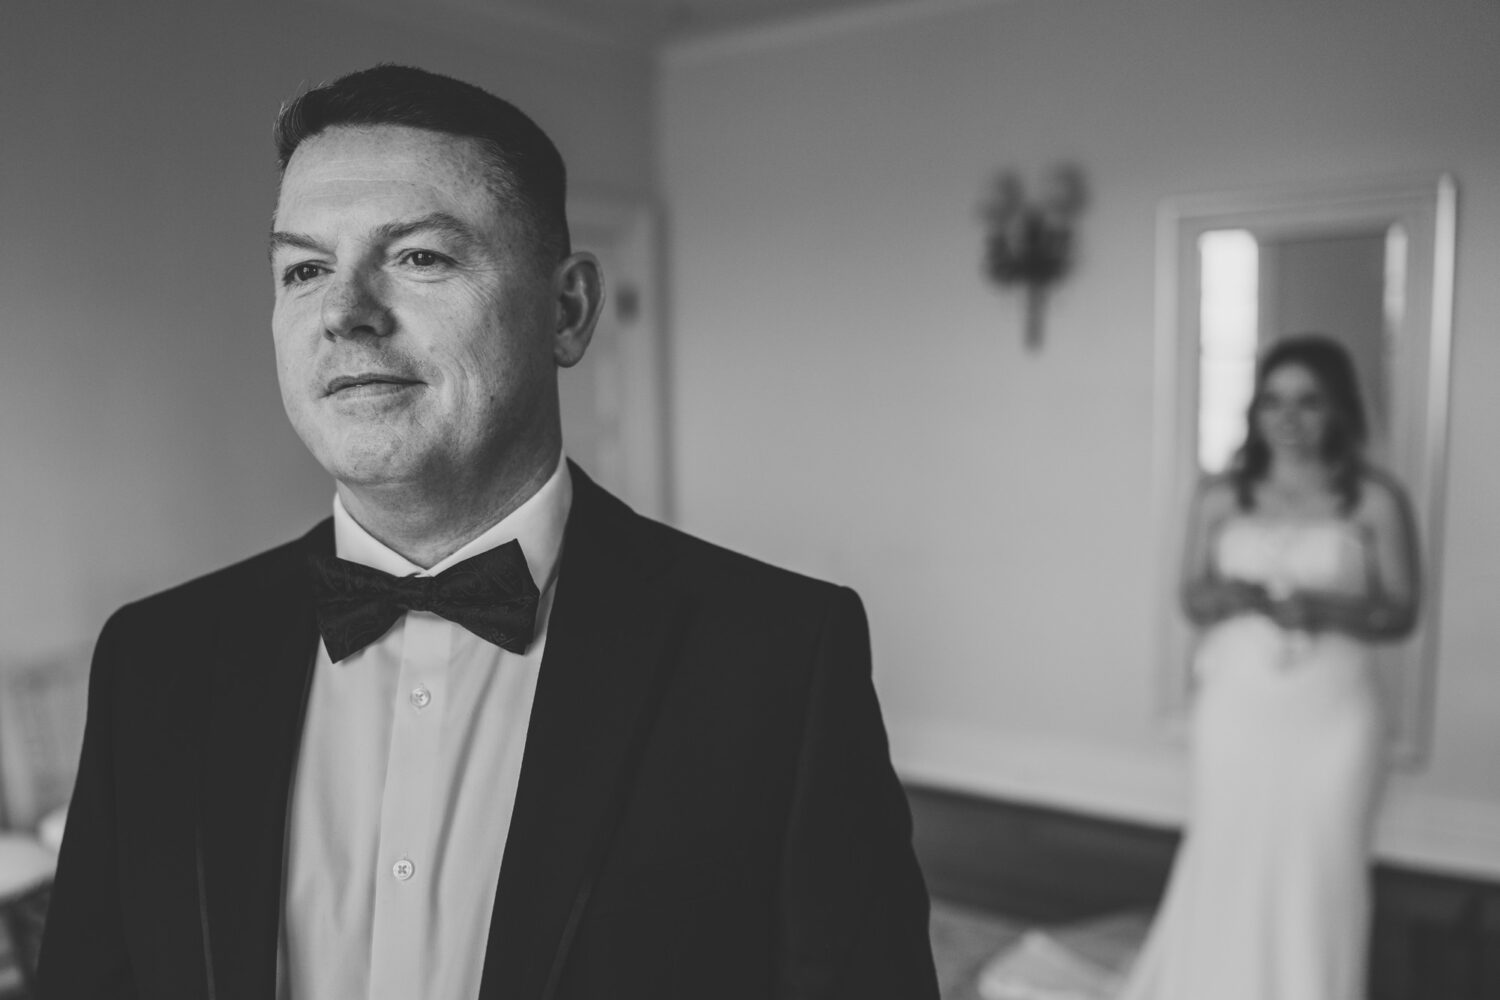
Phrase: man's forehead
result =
(385, 169)
(379, 140)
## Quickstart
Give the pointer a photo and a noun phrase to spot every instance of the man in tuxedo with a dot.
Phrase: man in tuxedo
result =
(486, 732)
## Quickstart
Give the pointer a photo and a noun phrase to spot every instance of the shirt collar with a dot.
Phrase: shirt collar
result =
(537, 524)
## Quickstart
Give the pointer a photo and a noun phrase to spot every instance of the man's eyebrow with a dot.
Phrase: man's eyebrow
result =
(436, 222)
(440, 223)
(293, 241)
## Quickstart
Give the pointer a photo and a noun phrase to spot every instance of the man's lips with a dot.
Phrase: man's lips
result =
(343, 382)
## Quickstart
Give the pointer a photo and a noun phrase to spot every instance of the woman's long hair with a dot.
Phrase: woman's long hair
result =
(1344, 440)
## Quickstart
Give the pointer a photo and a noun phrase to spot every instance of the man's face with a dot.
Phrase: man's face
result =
(413, 331)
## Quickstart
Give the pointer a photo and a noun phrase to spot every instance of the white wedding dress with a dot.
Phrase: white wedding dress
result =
(1269, 895)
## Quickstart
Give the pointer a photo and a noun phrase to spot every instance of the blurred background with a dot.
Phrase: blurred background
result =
(808, 362)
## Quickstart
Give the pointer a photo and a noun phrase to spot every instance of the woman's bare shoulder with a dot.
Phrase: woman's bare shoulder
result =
(1382, 499)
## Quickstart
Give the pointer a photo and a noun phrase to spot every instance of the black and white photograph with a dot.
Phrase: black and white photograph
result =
(749, 500)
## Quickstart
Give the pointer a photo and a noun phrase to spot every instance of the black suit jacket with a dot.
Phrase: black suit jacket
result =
(706, 804)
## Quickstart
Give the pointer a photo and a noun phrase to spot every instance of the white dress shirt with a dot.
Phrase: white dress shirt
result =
(405, 783)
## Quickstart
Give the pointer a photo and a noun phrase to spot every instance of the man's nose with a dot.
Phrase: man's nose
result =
(353, 306)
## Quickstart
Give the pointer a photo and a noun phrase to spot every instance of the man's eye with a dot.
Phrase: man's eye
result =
(423, 258)
(300, 273)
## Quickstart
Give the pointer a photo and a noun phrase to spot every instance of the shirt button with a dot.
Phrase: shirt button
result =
(403, 869)
(420, 697)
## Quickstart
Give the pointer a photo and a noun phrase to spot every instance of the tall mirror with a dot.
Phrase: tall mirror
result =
(1368, 263)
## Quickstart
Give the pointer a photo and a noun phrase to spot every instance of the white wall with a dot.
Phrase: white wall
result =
(141, 435)
(853, 400)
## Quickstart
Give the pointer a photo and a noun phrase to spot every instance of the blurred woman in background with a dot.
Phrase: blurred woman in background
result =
(1297, 559)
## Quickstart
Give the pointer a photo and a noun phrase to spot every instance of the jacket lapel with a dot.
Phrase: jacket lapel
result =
(602, 676)
(257, 698)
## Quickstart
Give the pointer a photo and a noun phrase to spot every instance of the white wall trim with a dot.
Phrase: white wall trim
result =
(802, 29)
(1418, 828)
(639, 456)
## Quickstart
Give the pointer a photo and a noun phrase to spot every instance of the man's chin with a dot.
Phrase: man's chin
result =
(380, 462)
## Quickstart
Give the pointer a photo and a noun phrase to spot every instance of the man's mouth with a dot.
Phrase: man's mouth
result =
(364, 380)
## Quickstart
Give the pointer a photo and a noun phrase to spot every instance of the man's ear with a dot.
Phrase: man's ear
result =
(578, 292)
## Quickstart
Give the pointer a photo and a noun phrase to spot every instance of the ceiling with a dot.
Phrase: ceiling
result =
(649, 23)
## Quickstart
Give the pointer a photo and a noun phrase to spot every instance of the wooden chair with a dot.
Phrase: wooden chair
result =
(26, 869)
(42, 707)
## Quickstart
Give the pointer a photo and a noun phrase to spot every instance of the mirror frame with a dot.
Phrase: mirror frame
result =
(1427, 208)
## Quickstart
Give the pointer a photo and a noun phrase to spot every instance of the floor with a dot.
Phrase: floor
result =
(963, 940)
(10, 975)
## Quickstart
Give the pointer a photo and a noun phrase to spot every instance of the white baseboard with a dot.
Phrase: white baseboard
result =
(1417, 828)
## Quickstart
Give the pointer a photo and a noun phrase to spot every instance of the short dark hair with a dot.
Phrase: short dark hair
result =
(526, 170)
(1344, 441)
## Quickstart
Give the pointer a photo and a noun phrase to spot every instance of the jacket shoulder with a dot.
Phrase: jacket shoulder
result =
(270, 570)
(710, 564)
(706, 569)
(748, 602)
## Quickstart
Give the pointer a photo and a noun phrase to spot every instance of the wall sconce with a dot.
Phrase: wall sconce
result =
(1030, 243)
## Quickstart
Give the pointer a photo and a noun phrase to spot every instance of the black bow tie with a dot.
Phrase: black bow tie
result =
(491, 595)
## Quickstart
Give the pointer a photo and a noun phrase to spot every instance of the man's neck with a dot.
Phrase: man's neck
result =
(426, 526)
